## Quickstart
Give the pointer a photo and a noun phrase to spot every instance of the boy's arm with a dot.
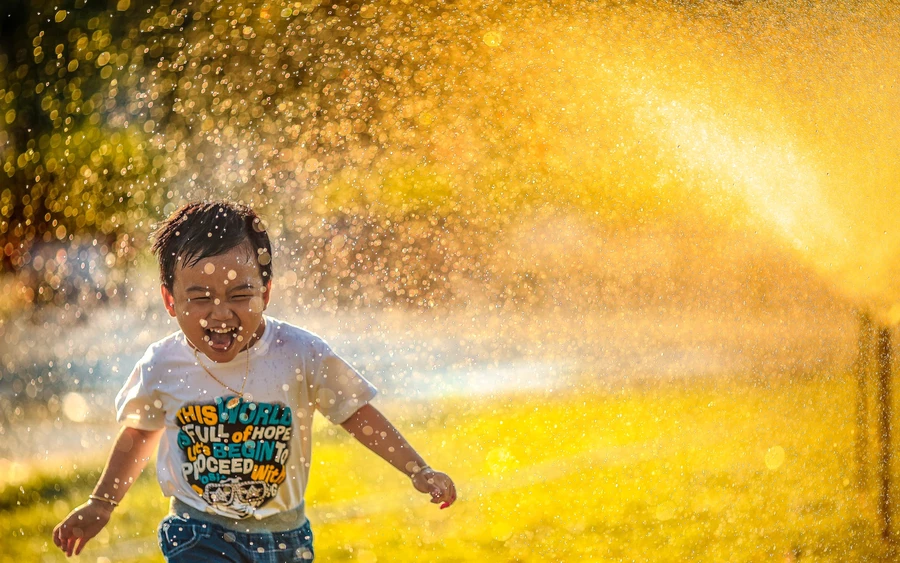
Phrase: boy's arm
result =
(375, 432)
(129, 455)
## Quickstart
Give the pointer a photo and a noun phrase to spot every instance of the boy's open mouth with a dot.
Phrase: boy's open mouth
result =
(221, 339)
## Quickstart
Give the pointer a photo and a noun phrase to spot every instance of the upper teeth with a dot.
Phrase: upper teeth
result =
(221, 330)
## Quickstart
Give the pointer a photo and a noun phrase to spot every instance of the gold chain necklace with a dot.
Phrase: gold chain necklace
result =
(234, 401)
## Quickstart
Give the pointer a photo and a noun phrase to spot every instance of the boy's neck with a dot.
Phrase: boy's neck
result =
(257, 334)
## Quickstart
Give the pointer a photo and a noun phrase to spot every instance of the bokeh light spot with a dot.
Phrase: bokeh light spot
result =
(502, 530)
(492, 38)
(75, 407)
(774, 457)
(665, 511)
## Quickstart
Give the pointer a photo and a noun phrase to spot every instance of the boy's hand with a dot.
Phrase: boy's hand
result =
(437, 484)
(81, 525)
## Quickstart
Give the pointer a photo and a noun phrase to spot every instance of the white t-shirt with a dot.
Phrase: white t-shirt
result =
(253, 459)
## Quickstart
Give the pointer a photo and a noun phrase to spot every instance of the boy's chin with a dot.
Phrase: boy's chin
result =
(219, 354)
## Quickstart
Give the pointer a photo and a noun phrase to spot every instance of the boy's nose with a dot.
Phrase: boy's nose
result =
(220, 311)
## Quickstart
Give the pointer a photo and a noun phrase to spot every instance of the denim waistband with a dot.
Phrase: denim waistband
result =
(279, 522)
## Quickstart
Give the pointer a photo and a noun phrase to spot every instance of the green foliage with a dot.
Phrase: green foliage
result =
(115, 114)
(76, 152)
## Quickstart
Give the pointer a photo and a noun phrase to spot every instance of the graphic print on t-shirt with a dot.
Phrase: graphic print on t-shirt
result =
(234, 457)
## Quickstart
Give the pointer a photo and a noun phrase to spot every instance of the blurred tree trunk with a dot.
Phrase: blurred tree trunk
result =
(862, 368)
(884, 358)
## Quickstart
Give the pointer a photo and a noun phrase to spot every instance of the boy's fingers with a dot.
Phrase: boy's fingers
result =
(451, 489)
(452, 499)
(448, 502)
(442, 492)
(80, 545)
(73, 540)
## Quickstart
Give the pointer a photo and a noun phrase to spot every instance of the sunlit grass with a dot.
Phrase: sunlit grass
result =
(686, 471)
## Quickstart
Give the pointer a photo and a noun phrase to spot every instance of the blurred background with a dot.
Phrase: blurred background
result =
(605, 260)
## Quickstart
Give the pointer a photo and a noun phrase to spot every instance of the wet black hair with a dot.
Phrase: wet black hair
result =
(203, 229)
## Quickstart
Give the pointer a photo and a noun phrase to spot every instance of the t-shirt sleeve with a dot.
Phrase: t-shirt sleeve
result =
(338, 389)
(137, 403)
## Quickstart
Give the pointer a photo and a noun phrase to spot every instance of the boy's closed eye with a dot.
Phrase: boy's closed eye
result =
(197, 294)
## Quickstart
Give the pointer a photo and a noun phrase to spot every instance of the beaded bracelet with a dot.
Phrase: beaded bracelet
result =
(102, 499)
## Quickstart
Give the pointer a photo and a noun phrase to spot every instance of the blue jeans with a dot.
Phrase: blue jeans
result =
(195, 541)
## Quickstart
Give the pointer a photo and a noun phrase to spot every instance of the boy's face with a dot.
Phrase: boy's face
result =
(219, 302)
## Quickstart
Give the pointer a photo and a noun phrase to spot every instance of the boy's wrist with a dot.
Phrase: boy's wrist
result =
(104, 501)
(416, 468)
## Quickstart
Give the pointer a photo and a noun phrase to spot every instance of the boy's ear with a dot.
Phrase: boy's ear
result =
(266, 294)
(168, 300)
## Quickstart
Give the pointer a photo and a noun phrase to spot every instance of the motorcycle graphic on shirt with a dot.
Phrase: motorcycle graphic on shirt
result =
(234, 458)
